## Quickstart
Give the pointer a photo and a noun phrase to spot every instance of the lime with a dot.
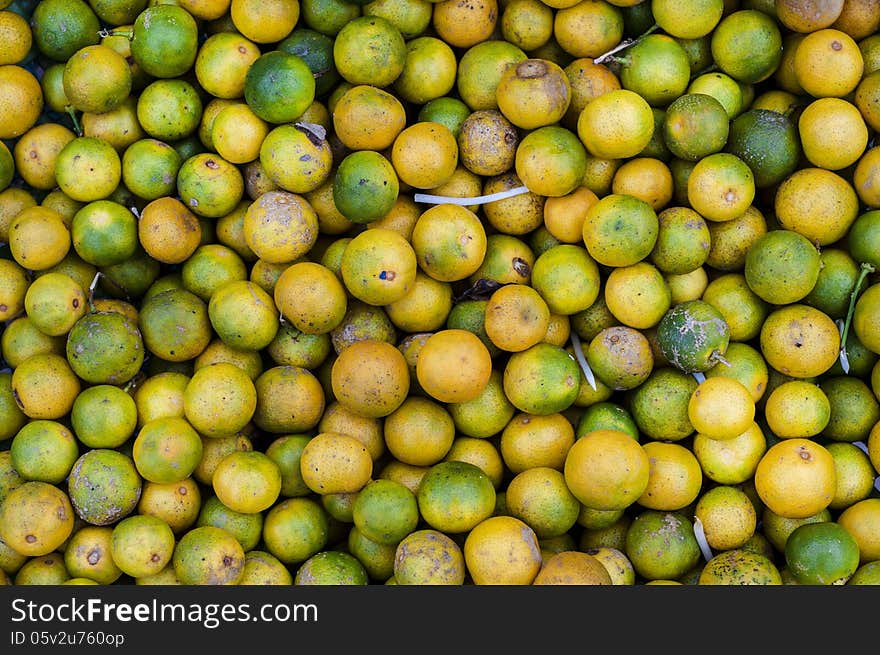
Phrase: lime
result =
(165, 40)
(365, 186)
(693, 336)
(768, 142)
(822, 553)
(279, 86)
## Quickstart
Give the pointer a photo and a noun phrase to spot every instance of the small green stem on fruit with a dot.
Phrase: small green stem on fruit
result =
(865, 270)
(623, 45)
(77, 128)
(579, 355)
(104, 33)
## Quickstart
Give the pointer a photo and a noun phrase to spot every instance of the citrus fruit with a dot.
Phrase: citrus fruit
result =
(416, 557)
(693, 336)
(620, 230)
(695, 125)
(799, 340)
(60, 28)
(22, 100)
(822, 553)
(165, 40)
(656, 67)
(768, 142)
(782, 266)
(739, 566)
(498, 539)
(279, 86)
(141, 545)
(728, 517)
(721, 408)
(370, 377)
(661, 545)
(796, 478)
(385, 511)
(208, 555)
(370, 50)
(690, 22)
(747, 45)
(551, 161)
(616, 125)
(264, 22)
(675, 477)
(37, 518)
(455, 496)
(828, 63)
(534, 93)
(607, 469)
(797, 408)
(587, 30)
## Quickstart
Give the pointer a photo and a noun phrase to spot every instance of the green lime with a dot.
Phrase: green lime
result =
(103, 416)
(606, 415)
(385, 511)
(165, 40)
(661, 545)
(863, 238)
(245, 527)
(782, 266)
(105, 348)
(543, 379)
(331, 567)
(740, 567)
(659, 405)
(693, 336)
(455, 496)
(316, 50)
(104, 232)
(823, 553)
(149, 168)
(365, 186)
(104, 486)
(446, 110)
(279, 86)
(768, 142)
(61, 27)
(44, 450)
(696, 125)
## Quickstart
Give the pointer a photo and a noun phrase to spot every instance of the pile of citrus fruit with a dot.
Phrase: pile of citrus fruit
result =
(439, 292)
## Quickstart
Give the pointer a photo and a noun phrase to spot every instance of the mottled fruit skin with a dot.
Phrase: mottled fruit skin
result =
(104, 486)
(693, 336)
(739, 567)
(105, 348)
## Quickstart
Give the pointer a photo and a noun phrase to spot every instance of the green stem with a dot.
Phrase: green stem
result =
(865, 270)
(128, 34)
(77, 128)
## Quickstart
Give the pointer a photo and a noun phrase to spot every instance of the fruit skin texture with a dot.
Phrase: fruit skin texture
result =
(693, 336)
(821, 553)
